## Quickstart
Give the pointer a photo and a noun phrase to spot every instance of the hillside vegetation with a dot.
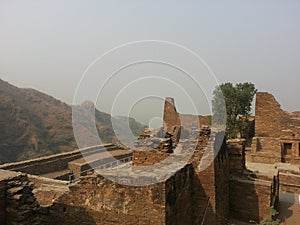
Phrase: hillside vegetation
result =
(34, 124)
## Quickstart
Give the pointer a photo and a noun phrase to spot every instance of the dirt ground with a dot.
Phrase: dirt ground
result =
(289, 209)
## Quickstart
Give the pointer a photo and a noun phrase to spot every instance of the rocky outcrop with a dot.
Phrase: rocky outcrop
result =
(17, 202)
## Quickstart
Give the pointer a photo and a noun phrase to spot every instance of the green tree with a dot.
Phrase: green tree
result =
(235, 102)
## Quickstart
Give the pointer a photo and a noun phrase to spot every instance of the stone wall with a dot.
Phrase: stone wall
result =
(43, 165)
(147, 158)
(274, 129)
(251, 195)
(53, 163)
(222, 186)
(96, 200)
(173, 118)
(289, 181)
(86, 165)
(210, 185)
(211, 182)
(271, 144)
(105, 202)
(270, 119)
(250, 199)
(270, 150)
(236, 151)
(187, 120)
(179, 199)
(17, 202)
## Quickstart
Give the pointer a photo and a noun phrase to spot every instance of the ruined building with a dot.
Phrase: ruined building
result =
(277, 133)
(277, 141)
(65, 189)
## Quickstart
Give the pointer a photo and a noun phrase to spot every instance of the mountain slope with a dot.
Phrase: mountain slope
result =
(34, 124)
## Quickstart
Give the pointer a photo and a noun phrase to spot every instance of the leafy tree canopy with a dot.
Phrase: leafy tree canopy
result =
(238, 101)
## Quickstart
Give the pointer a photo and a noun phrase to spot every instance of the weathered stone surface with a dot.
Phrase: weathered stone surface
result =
(250, 199)
(173, 118)
(14, 190)
(200, 191)
(277, 133)
(289, 180)
(18, 203)
(53, 163)
(146, 158)
(236, 151)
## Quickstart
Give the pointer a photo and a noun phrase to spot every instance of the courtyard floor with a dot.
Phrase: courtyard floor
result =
(289, 208)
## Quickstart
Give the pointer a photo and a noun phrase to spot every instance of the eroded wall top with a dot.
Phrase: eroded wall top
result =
(271, 120)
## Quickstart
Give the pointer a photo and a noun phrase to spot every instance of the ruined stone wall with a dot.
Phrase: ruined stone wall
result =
(265, 150)
(222, 186)
(53, 163)
(179, 201)
(236, 151)
(250, 199)
(43, 165)
(263, 157)
(86, 165)
(271, 144)
(147, 158)
(203, 193)
(40, 181)
(17, 202)
(211, 182)
(273, 128)
(173, 118)
(96, 200)
(100, 201)
(187, 121)
(289, 181)
(270, 119)
(269, 150)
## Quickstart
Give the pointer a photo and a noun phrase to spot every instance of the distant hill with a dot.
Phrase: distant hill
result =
(34, 124)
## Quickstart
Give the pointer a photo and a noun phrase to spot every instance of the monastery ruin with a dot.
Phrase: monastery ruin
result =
(65, 189)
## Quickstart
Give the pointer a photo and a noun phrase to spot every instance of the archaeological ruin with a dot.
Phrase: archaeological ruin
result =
(66, 189)
(277, 141)
(277, 133)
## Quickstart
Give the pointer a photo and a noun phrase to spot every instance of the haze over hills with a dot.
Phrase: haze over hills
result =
(34, 124)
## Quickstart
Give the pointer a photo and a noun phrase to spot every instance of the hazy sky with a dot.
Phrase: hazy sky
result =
(47, 45)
